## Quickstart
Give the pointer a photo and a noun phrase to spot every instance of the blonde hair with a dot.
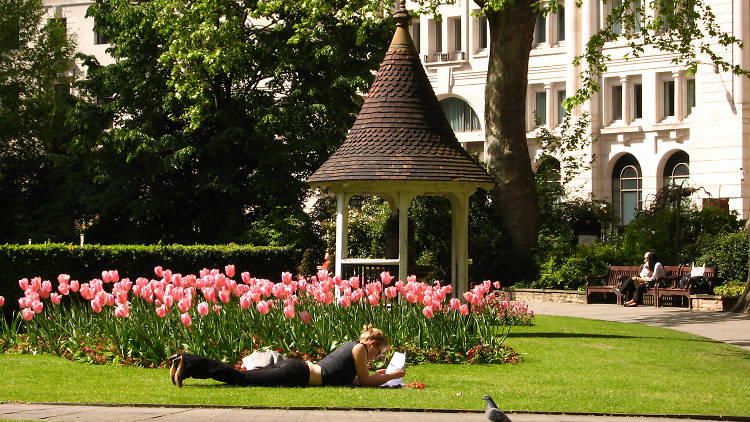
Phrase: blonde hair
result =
(369, 332)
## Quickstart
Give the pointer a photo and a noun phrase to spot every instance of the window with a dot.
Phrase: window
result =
(457, 34)
(616, 102)
(460, 115)
(438, 36)
(100, 38)
(540, 31)
(62, 22)
(541, 108)
(560, 109)
(561, 24)
(677, 170)
(690, 86)
(669, 106)
(416, 34)
(626, 188)
(637, 11)
(483, 33)
(638, 101)
(617, 25)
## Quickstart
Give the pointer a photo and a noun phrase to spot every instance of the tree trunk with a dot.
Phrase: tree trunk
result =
(743, 304)
(511, 37)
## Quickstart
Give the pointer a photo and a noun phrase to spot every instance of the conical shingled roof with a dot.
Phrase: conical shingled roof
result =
(401, 132)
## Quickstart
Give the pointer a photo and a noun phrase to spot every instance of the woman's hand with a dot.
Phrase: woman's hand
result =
(380, 371)
(398, 373)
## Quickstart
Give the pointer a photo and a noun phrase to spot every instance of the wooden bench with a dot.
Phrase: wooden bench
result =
(614, 278)
(615, 275)
(673, 290)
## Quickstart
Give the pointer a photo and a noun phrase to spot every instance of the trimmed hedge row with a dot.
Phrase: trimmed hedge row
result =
(133, 261)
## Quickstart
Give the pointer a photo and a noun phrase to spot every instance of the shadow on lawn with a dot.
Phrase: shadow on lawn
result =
(603, 336)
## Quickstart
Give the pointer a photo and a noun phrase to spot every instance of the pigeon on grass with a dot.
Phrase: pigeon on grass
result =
(492, 412)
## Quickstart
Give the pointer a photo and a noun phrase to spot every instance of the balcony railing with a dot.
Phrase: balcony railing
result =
(452, 56)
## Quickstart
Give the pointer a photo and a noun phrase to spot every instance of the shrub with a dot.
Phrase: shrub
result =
(730, 288)
(728, 252)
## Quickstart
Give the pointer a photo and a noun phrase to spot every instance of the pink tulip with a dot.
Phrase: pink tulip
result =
(411, 298)
(229, 270)
(428, 312)
(246, 277)
(263, 307)
(464, 309)
(114, 276)
(96, 306)
(391, 292)
(2, 301)
(486, 284)
(469, 296)
(63, 289)
(158, 271)
(289, 311)
(245, 301)
(122, 311)
(183, 305)
(411, 279)
(55, 298)
(27, 314)
(374, 300)
(203, 308)
(161, 311)
(36, 284)
(225, 295)
(186, 320)
(24, 284)
(386, 277)
(304, 316)
(496, 284)
(74, 286)
(24, 302)
(167, 275)
(37, 306)
(455, 303)
(63, 279)
(345, 301)
(217, 309)
(106, 278)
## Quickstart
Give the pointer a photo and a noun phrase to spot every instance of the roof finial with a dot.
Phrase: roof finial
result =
(401, 38)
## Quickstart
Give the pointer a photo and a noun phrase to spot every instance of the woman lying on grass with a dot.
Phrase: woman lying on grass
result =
(346, 365)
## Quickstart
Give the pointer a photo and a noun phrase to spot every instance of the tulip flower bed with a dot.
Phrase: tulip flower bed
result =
(142, 322)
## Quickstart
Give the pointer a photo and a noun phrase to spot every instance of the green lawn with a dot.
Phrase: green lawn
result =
(569, 364)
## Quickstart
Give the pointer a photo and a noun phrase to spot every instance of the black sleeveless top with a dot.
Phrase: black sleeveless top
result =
(338, 367)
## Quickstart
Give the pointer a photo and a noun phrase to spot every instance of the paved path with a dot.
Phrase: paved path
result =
(56, 412)
(721, 326)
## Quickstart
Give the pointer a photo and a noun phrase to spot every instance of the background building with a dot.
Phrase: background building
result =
(654, 123)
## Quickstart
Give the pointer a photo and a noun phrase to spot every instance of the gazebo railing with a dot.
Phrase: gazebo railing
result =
(368, 269)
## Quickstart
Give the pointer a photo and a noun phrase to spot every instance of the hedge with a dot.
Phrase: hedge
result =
(133, 261)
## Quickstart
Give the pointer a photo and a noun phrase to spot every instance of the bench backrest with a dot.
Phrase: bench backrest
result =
(617, 271)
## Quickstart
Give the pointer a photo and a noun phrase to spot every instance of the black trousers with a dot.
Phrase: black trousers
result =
(627, 288)
(285, 373)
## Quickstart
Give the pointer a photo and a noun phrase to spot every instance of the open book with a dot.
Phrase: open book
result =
(397, 362)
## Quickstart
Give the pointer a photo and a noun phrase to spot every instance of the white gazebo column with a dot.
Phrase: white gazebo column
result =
(404, 202)
(342, 229)
(460, 243)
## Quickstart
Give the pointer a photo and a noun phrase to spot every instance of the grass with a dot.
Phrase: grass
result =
(569, 365)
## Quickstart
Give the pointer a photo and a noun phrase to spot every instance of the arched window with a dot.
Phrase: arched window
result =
(460, 115)
(677, 170)
(626, 188)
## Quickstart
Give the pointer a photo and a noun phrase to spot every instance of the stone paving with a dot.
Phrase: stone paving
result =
(720, 326)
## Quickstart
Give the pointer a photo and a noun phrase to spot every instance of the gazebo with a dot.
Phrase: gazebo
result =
(401, 146)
